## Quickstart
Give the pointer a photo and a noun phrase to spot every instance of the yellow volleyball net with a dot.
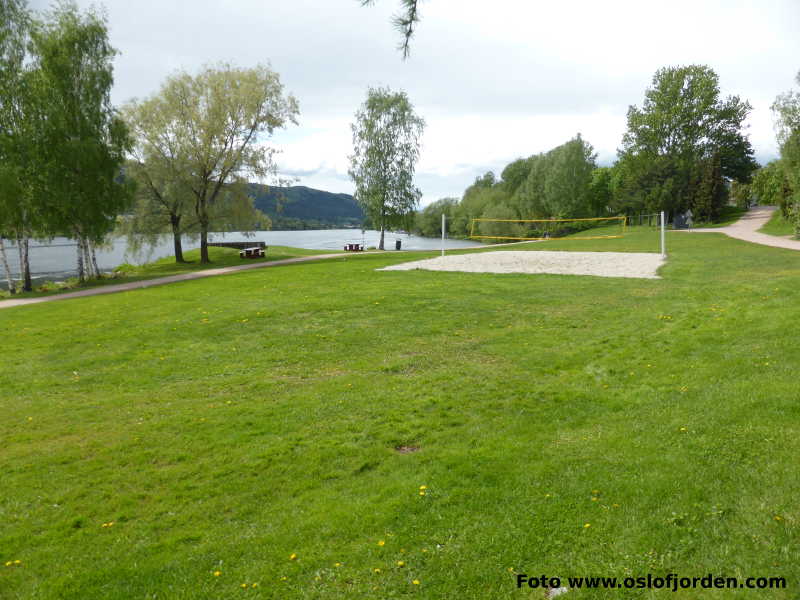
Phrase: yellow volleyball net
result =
(547, 229)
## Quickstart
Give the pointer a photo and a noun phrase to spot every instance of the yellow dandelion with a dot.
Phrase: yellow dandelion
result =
(778, 518)
(337, 564)
(376, 570)
(381, 543)
(255, 585)
(284, 578)
(217, 573)
(243, 586)
(9, 563)
(423, 487)
(683, 428)
(510, 569)
(293, 556)
(424, 549)
(422, 492)
(595, 499)
(415, 582)
(587, 525)
(595, 492)
(401, 563)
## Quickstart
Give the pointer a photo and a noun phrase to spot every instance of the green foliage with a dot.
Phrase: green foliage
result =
(771, 187)
(386, 137)
(500, 229)
(787, 112)
(428, 221)
(80, 139)
(558, 183)
(300, 207)
(203, 135)
(682, 142)
(741, 194)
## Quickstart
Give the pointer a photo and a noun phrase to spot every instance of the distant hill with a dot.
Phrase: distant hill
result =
(300, 207)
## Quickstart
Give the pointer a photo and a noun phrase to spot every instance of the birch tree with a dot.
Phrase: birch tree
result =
(14, 31)
(386, 146)
(81, 141)
(205, 135)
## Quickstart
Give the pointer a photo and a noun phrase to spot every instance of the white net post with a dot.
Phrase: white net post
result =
(444, 219)
(663, 228)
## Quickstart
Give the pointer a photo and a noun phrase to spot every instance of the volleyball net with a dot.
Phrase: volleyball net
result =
(594, 228)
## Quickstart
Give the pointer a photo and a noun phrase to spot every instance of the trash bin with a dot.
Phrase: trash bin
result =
(397, 244)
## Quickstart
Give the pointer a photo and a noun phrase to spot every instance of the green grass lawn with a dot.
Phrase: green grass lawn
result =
(220, 257)
(249, 425)
(778, 225)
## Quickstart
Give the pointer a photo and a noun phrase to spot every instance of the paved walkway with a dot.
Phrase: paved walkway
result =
(747, 227)
(145, 283)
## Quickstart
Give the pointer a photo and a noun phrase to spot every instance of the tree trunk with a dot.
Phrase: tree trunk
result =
(11, 287)
(383, 222)
(81, 271)
(90, 274)
(24, 264)
(94, 261)
(176, 238)
(204, 242)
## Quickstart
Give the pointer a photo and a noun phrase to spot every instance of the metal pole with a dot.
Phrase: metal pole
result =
(444, 225)
(663, 245)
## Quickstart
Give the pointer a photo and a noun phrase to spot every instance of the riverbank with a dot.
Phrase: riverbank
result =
(165, 267)
(55, 260)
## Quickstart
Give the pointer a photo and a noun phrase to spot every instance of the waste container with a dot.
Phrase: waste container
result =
(397, 244)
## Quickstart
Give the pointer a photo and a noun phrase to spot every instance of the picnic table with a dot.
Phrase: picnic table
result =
(254, 252)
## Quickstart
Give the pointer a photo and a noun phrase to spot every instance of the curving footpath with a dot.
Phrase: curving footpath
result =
(746, 228)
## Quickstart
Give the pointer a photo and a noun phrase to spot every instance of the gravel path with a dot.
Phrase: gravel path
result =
(746, 229)
(603, 264)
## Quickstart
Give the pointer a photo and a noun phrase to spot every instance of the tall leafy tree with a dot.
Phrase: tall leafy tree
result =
(786, 109)
(201, 134)
(386, 146)
(15, 212)
(558, 183)
(682, 124)
(81, 141)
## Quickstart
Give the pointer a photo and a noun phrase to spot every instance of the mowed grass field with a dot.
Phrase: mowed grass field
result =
(183, 441)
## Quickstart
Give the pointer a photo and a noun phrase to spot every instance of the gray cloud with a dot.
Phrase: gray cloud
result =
(493, 84)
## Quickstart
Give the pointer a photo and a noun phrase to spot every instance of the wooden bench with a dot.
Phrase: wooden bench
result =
(254, 252)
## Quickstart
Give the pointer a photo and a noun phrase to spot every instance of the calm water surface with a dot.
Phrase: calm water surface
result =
(55, 260)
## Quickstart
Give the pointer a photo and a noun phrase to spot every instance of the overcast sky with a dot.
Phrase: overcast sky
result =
(494, 79)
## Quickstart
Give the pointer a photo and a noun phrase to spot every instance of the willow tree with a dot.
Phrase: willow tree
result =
(203, 135)
(386, 141)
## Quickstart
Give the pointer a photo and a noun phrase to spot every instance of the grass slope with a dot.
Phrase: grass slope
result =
(778, 225)
(566, 425)
(164, 267)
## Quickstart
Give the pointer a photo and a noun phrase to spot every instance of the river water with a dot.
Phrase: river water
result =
(56, 260)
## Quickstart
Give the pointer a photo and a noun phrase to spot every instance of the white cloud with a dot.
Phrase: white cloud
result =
(494, 81)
